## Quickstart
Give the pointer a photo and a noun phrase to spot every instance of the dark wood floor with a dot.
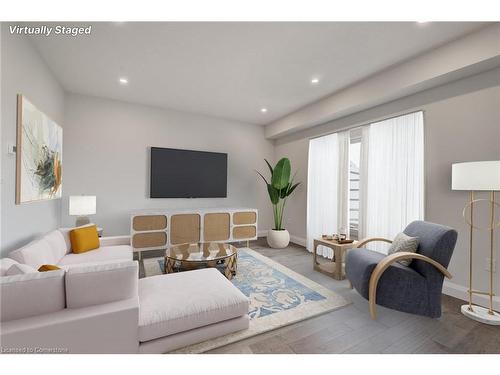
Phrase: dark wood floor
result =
(350, 329)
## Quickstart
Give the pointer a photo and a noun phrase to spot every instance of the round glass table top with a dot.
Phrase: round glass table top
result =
(200, 252)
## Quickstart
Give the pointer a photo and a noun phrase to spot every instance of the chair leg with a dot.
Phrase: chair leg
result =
(372, 301)
(373, 311)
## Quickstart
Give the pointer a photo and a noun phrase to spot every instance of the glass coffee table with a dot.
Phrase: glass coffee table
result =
(186, 257)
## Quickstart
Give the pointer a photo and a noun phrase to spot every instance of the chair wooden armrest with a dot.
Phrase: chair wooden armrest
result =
(385, 263)
(364, 241)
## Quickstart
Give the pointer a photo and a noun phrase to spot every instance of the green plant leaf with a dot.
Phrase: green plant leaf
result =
(274, 194)
(284, 192)
(280, 188)
(260, 174)
(270, 167)
(281, 174)
(292, 188)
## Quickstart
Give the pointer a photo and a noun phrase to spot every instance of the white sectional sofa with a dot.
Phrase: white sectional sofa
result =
(55, 248)
(88, 309)
(97, 304)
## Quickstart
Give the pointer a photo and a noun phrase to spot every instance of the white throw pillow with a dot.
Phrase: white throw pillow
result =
(57, 244)
(19, 269)
(5, 264)
(35, 254)
(404, 243)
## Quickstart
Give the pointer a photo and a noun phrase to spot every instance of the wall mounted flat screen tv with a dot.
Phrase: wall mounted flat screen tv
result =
(187, 174)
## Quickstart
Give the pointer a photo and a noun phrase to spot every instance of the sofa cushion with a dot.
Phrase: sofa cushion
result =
(101, 283)
(5, 264)
(104, 254)
(36, 253)
(178, 302)
(19, 269)
(31, 294)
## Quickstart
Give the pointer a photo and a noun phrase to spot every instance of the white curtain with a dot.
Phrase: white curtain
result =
(394, 176)
(327, 187)
(363, 177)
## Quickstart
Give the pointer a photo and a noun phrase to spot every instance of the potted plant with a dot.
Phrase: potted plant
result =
(280, 187)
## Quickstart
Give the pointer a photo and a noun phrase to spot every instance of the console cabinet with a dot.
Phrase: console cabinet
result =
(161, 229)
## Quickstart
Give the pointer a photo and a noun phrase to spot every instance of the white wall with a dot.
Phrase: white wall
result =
(106, 153)
(24, 72)
(462, 123)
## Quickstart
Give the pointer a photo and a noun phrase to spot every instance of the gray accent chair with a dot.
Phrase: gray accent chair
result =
(413, 289)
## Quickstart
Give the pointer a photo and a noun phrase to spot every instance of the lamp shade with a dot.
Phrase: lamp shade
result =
(476, 175)
(81, 205)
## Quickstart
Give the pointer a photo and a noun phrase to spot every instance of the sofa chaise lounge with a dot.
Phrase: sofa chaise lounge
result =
(97, 304)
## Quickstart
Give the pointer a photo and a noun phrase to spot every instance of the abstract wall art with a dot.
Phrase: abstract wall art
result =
(38, 154)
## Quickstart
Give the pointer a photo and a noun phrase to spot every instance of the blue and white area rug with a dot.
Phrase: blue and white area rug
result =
(278, 297)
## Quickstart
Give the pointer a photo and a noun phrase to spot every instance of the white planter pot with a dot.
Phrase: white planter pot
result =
(278, 239)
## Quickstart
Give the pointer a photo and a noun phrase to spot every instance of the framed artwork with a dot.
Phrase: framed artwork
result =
(38, 154)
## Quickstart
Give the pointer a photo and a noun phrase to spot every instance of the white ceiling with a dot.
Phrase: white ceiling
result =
(232, 70)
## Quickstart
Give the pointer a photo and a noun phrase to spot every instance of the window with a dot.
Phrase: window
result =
(369, 180)
(354, 182)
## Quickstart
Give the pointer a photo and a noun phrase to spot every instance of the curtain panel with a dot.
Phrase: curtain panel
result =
(322, 190)
(327, 188)
(393, 176)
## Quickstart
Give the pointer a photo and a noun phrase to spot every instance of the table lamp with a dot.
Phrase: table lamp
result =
(479, 176)
(81, 206)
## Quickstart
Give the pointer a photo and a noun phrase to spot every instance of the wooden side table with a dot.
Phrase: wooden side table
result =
(335, 267)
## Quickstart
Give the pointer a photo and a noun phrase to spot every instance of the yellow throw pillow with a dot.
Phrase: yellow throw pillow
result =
(84, 239)
(48, 267)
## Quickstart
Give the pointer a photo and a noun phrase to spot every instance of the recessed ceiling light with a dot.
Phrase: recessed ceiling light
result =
(123, 80)
(263, 110)
(315, 81)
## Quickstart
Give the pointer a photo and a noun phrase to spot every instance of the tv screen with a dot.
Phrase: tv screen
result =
(187, 174)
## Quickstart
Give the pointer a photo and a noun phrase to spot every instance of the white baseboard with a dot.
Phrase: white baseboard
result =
(295, 239)
(298, 240)
(262, 233)
(460, 292)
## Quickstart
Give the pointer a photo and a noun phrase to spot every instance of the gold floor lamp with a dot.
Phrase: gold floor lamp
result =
(479, 176)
